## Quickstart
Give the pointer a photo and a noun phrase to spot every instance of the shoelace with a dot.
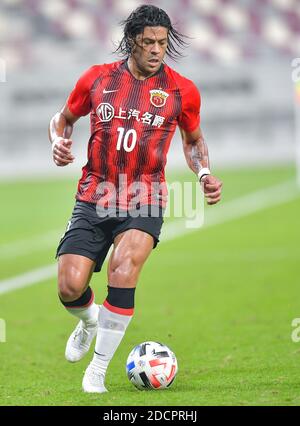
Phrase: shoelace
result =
(82, 333)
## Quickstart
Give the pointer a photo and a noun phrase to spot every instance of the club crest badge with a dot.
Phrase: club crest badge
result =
(158, 97)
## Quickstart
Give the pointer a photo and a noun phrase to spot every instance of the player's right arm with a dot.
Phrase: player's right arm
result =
(60, 131)
(61, 125)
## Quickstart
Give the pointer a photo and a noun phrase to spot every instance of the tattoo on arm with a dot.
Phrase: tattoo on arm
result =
(198, 155)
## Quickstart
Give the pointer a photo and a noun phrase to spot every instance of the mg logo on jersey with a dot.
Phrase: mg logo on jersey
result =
(105, 112)
(158, 98)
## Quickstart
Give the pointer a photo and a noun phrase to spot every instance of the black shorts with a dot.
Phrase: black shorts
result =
(91, 235)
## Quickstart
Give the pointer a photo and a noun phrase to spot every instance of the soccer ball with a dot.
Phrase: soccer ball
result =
(151, 365)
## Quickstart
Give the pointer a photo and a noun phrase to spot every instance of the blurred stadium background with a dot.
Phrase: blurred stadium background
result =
(243, 288)
(239, 56)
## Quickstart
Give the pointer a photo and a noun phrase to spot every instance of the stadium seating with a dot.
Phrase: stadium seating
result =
(221, 30)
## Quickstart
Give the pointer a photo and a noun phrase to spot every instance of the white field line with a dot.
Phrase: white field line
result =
(235, 209)
(213, 215)
(30, 245)
(28, 278)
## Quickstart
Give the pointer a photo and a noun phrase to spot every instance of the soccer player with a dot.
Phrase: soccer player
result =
(135, 105)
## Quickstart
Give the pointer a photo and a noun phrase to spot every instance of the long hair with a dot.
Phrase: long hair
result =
(150, 16)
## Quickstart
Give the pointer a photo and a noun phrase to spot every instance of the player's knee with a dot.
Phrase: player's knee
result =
(123, 271)
(69, 293)
(120, 276)
(69, 289)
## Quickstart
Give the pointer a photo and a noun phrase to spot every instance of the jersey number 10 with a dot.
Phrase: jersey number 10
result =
(128, 141)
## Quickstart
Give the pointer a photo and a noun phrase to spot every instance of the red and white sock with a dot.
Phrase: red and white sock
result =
(112, 324)
(84, 308)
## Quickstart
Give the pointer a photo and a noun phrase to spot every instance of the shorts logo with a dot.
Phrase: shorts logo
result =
(105, 112)
(158, 97)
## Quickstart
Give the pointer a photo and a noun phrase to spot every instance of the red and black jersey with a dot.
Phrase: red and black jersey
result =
(132, 124)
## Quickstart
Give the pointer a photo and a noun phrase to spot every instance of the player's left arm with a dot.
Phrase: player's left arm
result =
(196, 154)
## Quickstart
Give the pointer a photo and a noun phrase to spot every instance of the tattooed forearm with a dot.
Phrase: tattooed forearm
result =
(198, 155)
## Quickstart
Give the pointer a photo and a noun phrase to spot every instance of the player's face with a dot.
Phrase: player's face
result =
(150, 49)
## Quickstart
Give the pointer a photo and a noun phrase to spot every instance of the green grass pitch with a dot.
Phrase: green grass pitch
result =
(223, 298)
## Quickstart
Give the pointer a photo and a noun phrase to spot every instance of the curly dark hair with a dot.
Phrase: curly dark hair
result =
(150, 16)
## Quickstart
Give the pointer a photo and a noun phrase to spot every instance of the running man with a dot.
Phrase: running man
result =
(135, 105)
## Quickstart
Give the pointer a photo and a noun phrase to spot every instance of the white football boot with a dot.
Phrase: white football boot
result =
(93, 380)
(80, 341)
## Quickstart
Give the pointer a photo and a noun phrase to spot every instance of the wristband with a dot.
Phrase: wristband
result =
(203, 172)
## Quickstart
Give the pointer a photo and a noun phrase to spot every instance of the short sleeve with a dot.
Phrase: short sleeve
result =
(79, 100)
(189, 119)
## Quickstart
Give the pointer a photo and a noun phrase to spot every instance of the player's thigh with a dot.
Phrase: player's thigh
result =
(131, 249)
(74, 274)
